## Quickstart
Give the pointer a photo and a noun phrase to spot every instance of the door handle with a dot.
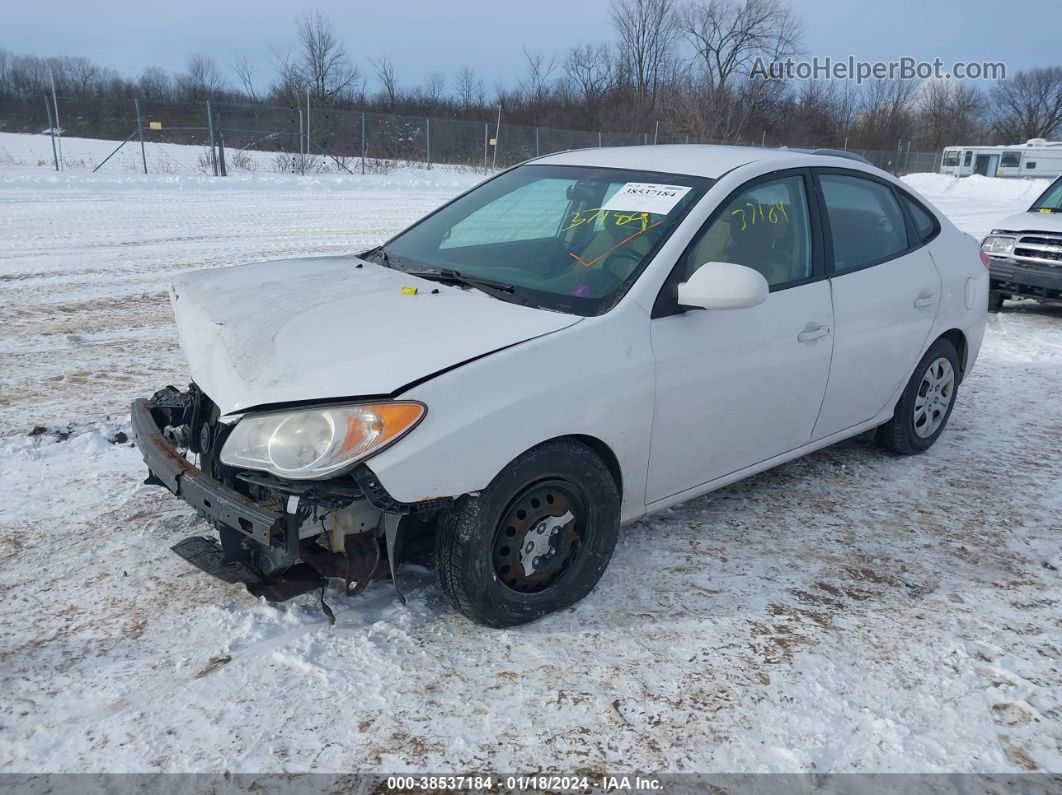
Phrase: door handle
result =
(925, 298)
(811, 332)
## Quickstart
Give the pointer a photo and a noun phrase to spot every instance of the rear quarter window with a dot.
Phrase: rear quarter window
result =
(926, 226)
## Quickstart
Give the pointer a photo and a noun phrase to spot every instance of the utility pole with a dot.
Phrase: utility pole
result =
(363, 142)
(58, 129)
(497, 132)
(307, 120)
(427, 141)
(51, 129)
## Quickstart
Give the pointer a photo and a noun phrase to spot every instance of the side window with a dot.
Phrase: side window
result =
(1030, 164)
(1010, 160)
(765, 227)
(866, 223)
(967, 159)
(951, 158)
(925, 224)
(529, 213)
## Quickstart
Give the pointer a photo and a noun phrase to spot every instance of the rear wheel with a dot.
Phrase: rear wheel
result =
(926, 403)
(537, 539)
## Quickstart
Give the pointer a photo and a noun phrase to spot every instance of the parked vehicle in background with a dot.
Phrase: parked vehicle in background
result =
(579, 341)
(1035, 158)
(1025, 252)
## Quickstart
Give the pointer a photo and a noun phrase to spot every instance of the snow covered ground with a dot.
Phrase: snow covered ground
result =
(848, 611)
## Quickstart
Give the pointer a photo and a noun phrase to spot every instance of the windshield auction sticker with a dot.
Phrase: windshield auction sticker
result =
(646, 197)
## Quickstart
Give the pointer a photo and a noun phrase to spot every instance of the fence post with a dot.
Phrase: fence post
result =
(210, 132)
(536, 142)
(486, 143)
(51, 129)
(645, 139)
(427, 141)
(140, 129)
(598, 139)
(363, 142)
(221, 150)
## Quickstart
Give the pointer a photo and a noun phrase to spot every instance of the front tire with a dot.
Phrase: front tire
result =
(536, 540)
(995, 301)
(926, 403)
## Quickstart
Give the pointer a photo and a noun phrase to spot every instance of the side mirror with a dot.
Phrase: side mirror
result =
(723, 285)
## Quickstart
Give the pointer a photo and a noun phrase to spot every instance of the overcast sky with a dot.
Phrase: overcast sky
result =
(423, 36)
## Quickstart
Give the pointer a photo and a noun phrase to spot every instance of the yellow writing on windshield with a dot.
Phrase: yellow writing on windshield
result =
(619, 218)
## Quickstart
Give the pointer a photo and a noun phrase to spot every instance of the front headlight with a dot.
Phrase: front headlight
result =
(309, 444)
(998, 245)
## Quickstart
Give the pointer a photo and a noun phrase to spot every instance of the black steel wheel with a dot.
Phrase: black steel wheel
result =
(537, 539)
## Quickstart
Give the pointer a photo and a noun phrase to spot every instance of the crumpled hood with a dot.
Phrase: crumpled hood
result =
(1031, 222)
(321, 328)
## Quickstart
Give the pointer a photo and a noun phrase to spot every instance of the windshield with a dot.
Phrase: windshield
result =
(569, 238)
(1051, 200)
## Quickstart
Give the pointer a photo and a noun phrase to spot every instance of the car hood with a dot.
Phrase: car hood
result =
(336, 327)
(1033, 221)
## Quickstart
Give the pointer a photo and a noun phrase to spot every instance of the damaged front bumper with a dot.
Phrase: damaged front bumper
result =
(283, 523)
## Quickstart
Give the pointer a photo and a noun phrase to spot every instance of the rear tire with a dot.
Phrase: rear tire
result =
(995, 301)
(923, 409)
(536, 540)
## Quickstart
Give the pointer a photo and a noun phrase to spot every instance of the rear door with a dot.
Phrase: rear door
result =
(885, 290)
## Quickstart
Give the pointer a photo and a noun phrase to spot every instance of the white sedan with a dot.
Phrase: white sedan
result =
(574, 343)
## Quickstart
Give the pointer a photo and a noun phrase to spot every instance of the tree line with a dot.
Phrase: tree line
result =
(685, 64)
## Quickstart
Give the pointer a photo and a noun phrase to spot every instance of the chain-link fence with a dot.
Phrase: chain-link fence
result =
(232, 137)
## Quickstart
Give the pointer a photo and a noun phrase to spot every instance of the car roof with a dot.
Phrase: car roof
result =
(699, 160)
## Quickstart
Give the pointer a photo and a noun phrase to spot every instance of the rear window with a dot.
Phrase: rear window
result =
(951, 158)
(1010, 160)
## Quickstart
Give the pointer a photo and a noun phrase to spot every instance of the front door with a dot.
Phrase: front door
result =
(738, 386)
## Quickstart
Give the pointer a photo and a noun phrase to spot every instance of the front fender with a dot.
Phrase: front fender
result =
(594, 378)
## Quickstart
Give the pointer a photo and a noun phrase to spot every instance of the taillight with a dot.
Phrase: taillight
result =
(986, 260)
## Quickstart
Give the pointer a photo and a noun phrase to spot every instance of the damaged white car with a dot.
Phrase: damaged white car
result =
(572, 344)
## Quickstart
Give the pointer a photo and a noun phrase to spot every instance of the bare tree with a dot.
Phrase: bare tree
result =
(244, 68)
(84, 76)
(1028, 105)
(646, 30)
(729, 35)
(434, 89)
(589, 69)
(949, 112)
(202, 79)
(155, 83)
(536, 84)
(469, 89)
(322, 62)
(388, 79)
(886, 113)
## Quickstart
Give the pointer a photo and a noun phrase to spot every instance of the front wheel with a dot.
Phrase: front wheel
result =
(926, 403)
(537, 539)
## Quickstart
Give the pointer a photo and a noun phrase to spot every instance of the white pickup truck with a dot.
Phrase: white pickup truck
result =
(1024, 252)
